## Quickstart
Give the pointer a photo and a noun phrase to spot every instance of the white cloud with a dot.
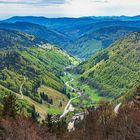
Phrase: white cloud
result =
(73, 8)
(40, 2)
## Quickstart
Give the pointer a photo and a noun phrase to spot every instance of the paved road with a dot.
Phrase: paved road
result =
(69, 107)
(67, 83)
(116, 109)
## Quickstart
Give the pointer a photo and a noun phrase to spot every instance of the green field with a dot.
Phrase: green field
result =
(90, 96)
(57, 97)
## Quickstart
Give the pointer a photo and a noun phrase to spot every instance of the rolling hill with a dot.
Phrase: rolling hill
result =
(77, 27)
(115, 70)
(40, 31)
(78, 31)
(10, 39)
(90, 43)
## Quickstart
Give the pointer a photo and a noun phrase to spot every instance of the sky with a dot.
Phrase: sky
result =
(68, 8)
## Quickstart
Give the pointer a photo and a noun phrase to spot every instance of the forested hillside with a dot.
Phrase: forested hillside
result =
(40, 31)
(114, 70)
(93, 42)
(10, 39)
(24, 56)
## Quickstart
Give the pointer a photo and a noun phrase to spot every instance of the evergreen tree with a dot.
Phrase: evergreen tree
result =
(10, 106)
(49, 121)
(34, 114)
(51, 101)
(68, 95)
(44, 96)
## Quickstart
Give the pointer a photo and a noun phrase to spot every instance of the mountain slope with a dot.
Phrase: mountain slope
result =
(22, 57)
(89, 28)
(13, 38)
(90, 43)
(78, 31)
(42, 32)
(115, 70)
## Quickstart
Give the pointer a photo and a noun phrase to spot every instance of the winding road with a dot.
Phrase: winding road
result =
(67, 83)
(69, 107)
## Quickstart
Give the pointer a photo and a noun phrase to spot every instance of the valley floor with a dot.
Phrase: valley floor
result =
(89, 95)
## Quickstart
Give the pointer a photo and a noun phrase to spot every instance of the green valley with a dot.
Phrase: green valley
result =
(69, 69)
(46, 69)
(77, 75)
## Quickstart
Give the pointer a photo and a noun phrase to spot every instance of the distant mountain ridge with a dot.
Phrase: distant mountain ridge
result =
(67, 24)
(93, 42)
(45, 20)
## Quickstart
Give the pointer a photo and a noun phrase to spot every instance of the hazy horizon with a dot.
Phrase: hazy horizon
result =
(8, 17)
(68, 8)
